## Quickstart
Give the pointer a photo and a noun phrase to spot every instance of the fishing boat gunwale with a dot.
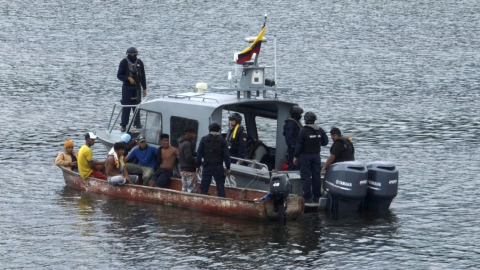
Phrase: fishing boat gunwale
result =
(233, 205)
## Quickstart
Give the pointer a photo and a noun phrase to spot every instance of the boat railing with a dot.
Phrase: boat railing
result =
(252, 163)
(111, 124)
(191, 96)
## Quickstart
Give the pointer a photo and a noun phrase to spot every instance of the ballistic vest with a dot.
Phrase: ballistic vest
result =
(348, 154)
(212, 150)
(313, 138)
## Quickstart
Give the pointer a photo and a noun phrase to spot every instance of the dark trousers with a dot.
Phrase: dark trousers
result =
(310, 169)
(219, 173)
(126, 116)
(162, 177)
(291, 166)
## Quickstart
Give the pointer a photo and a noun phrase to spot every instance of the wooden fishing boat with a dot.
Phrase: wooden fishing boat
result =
(239, 202)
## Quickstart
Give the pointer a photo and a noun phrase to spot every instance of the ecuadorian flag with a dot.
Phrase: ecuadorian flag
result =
(246, 54)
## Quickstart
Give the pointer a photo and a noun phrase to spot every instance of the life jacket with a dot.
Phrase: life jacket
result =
(212, 150)
(298, 126)
(313, 138)
(233, 138)
(348, 154)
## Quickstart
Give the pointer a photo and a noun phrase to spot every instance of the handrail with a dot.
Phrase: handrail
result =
(110, 125)
(252, 162)
(183, 96)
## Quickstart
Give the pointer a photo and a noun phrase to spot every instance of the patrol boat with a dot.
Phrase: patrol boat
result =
(252, 95)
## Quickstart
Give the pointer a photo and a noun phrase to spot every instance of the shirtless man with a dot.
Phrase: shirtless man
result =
(115, 167)
(166, 158)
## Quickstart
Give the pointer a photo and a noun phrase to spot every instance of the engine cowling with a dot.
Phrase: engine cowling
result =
(347, 179)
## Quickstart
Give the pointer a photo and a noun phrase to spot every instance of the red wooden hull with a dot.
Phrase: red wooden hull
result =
(238, 203)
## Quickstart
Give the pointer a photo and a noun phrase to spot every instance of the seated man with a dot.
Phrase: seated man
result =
(258, 151)
(146, 156)
(115, 167)
(87, 166)
(128, 143)
(166, 157)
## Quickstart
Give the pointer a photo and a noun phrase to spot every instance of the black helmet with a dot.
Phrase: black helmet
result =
(296, 110)
(310, 116)
(235, 116)
(214, 126)
(132, 50)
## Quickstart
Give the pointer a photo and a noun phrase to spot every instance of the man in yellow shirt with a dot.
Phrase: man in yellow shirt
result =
(86, 164)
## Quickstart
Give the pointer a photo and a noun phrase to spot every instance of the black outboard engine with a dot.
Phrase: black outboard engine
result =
(382, 185)
(279, 190)
(346, 184)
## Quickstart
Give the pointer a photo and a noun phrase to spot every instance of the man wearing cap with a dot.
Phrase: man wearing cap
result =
(131, 72)
(128, 142)
(146, 156)
(212, 152)
(87, 166)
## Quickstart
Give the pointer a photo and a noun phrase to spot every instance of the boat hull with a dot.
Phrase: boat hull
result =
(238, 203)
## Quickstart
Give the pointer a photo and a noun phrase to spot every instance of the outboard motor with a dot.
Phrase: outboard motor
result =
(279, 190)
(382, 185)
(346, 184)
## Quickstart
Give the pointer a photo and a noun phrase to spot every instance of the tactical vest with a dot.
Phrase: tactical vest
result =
(212, 150)
(134, 70)
(234, 144)
(348, 154)
(296, 130)
(313, 138)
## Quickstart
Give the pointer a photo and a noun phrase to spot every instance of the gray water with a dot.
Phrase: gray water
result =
(401, 77)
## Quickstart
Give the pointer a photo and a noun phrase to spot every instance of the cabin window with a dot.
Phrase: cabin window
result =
(267, 130)
(177, 129)
(152, 127)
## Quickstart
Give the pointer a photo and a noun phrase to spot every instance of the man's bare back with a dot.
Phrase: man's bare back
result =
(169, 156)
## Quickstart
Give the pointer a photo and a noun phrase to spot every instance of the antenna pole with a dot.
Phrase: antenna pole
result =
(275, 57)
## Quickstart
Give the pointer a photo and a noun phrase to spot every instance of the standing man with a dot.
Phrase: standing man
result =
(132, 73)
(213, 150)
(236, 137)
(341, 150)
(115, 168)
(307, 148)
(87, 166)
(187, 160)
(166, 159)
(290, 130)
(146, 156)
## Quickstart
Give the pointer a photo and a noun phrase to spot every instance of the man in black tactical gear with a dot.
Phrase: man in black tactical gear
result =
(290, 130)
(236, 137)
(131, 72)
(213, 150)
(309, 141)
(342, 149)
